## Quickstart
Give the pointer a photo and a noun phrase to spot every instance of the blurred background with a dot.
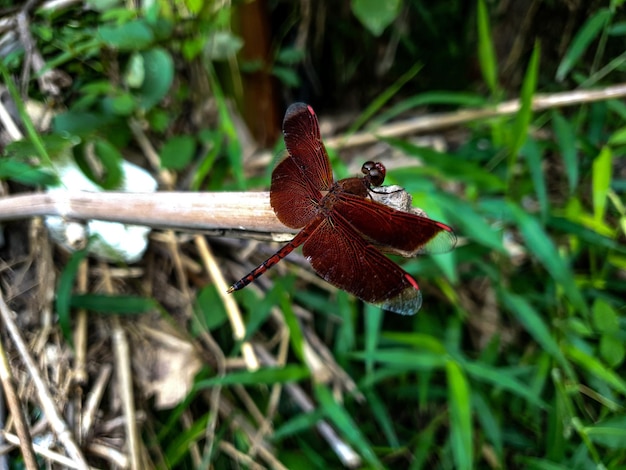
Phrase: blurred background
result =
(503, 119)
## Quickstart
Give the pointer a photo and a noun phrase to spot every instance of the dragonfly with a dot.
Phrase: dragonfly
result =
(344, 232)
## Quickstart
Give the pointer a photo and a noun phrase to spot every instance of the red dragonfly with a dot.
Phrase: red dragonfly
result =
(344, 231)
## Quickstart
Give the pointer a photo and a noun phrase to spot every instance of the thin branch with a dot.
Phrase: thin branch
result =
(433, 122)
(191, 211)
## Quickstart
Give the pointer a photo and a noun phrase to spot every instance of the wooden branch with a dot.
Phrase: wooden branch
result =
(250, 211)
(433, 122)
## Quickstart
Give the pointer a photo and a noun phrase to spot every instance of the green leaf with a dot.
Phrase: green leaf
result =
(296, 337)
(610, 433)
(114, 304)
(566, 139)
(448, 165)
(407, 359)
(596, 368)
(583, 38)
(81, 122)
(383, 417)
(605, 318)
(486, 50)
(177, 152)
(159, 74)
(501, 378)
(601, 181)
(524, 115)
(297, 424)
(376, 15)
(11, 169)
(210, 310)
(461, 435)
(612, 349)
(544, 250)
(470, 223)
(383, 98)
(123, 104)
(129, 36)
(64, 293)
(267, 375)
(373, 321)
(533, 155)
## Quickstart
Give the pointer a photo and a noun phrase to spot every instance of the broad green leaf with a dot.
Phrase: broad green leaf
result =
(601, 181)
(342, 420)
(128, 36)
(605, 318)
(544, 250)
(177, 152)
(12, 169)
(583, 38)
(376, 15)
(566, 139)
(460, 416)
(114, 304)
(267, 375)
(486, 50)
(612, 349)
(123, 104)
(159, 74)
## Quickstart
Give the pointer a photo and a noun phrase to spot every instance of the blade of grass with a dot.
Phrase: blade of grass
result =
(566, 139)
(583, 38)
(338, 415)
(524, 115)
(380, 101)
(64, 293)
(601, 181)
(544, 250)
(534, 324)
(268, 375)
(533, 155)
(486, 49)
(461, 432)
